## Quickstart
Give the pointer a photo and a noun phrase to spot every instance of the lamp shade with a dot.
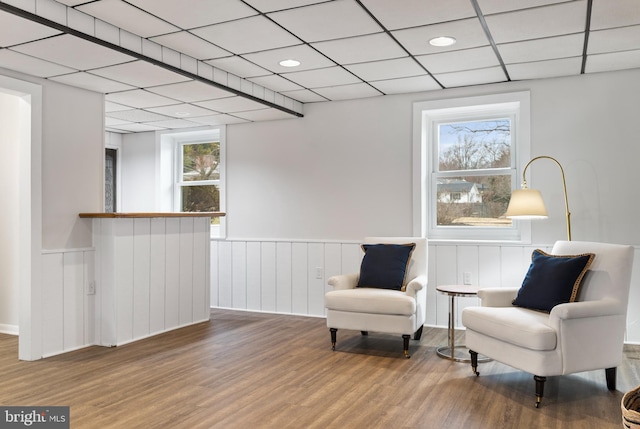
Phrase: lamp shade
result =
(526, 204)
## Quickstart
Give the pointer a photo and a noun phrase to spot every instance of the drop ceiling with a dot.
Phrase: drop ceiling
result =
(171, 64)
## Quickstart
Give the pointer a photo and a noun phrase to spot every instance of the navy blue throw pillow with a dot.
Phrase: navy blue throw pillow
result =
(552, 280)
(384, 266)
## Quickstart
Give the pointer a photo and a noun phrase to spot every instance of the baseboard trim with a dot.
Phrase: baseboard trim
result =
(9, 329)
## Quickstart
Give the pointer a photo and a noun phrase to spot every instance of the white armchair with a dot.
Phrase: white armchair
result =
(388, 311)
(576, 336)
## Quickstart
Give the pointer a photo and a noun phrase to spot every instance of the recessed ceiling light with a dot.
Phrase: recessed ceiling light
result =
(442, 41)
(289, 63)
(182, 113)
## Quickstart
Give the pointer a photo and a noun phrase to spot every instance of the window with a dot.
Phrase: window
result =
(110, 174)
(467, 151)
(192, 173)
(199, 177)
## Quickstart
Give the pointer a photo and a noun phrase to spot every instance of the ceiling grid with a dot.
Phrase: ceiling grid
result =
(166, 64)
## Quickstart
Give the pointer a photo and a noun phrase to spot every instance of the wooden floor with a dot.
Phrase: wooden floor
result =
(250, 370)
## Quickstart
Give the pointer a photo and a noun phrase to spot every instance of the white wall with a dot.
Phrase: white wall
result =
(64, 177)
(138, 172)
(72, 167)
(341, 172)
(9, 215)
(302, 192)
(344, 170)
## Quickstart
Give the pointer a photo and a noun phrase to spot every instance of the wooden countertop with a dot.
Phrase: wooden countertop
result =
(160, 214)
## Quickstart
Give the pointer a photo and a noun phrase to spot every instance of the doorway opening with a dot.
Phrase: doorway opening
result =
(20, 136)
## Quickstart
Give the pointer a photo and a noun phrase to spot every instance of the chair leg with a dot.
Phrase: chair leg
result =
(474, 362)
(611, 378)
(539, 388)
(333, 338)
(406, 339)
(418, 334)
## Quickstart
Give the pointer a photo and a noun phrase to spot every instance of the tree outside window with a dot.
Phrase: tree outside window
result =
(473, 173)
(466, 152)
(200, 177)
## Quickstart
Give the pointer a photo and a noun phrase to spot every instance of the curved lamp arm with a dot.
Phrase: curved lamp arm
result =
(564, 188)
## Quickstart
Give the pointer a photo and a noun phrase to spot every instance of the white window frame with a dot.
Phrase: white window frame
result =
(171, 183)
(426, 117)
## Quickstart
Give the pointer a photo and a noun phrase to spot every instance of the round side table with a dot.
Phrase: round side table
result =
(458, 353)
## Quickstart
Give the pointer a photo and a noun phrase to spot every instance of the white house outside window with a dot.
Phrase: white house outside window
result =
(467, 151)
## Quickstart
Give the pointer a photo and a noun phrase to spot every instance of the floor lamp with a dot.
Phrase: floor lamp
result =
(527, 203)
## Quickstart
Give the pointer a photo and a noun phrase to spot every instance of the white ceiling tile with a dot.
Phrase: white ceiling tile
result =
(80, 21)
(467, 32)
(137, 115)
(30, 65)
(218, 120)
(471, 77)
(616, 39)
(309, 59)
(466, 59)
(171, 57)
(71, 2)
(131, 41)
(347, 92)
(151, 49)
(360, 49)
(607, 14)
(114, 107)
(242, 47)
(264, 115)
(246, 35)
(111, 121)
(140, 74)
(275, 83)
(190, 91)
(92, 82)
(127, 17)
(195, 13)
(138, 128)
(174, 123)
(273, 5)
(189, 44)
(413, 13)
(547, 21)
(139, 98)
(230, 104)
(189, 64)
(326, 21)
(107, 32)
(613, 61)
(73, 52)
(304, 96)
(181, 111)
(14, 30)
(114, 130)
(239, 66)
(542, 49)
(545, 69)
(52, 11)
(386, 69)
(331, 76)
(489, 7)
(407, 84)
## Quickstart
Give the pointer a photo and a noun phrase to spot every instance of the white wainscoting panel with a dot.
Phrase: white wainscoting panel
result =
(68, 321)
(152, 275)
(281, 276)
